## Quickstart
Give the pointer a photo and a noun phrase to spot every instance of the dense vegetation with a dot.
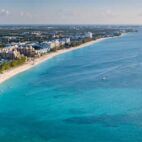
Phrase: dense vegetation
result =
(7, 65)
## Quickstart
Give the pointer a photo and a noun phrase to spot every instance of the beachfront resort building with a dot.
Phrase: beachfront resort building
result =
(89, 35)
(28, 51)
(16, 53)
(16, 50)
(45, 46)
(9, 53)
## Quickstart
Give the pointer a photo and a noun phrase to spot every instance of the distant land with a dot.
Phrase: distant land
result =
(24, 44)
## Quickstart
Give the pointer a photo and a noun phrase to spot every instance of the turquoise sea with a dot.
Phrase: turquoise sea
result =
(93, 94)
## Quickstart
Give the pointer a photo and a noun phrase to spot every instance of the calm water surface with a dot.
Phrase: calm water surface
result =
(92, 94)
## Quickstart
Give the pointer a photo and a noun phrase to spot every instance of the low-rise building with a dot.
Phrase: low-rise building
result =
(57, 43)
(28, 51)
(43, 47)
(89, 35)
(9, 53)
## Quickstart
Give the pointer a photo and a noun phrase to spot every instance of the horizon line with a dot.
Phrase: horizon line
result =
(75, 24)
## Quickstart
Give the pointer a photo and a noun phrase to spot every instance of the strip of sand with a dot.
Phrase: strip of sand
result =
(14, 71)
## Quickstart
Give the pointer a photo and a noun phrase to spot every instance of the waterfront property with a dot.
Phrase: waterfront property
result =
(35, 43)
(76, 96)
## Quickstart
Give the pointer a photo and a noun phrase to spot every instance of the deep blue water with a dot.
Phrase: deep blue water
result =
(92, 94)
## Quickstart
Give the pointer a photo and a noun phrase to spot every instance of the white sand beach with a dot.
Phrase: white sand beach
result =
(14, 71)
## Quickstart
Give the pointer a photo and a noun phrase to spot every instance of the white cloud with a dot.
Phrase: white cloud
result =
(4, 12)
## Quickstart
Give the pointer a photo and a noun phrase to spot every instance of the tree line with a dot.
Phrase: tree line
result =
(8, 65)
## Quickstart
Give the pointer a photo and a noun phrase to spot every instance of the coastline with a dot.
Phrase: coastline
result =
(14, 71)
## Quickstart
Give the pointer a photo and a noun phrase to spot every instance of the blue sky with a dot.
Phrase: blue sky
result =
(70, 12)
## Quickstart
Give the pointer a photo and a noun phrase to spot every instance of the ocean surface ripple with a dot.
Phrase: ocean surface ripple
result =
(93, 94)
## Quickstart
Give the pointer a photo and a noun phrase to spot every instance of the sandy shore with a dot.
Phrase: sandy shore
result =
(14, 71)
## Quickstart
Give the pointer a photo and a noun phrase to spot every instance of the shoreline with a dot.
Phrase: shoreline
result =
(28, 65)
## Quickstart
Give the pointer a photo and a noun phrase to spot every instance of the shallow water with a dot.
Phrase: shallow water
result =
(93, 94)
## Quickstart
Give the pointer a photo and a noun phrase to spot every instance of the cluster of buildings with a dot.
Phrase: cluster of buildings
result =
(17, 53)
(87, 35)
(28, 49)
(9, 54)
(45, 47)
(33, 49)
